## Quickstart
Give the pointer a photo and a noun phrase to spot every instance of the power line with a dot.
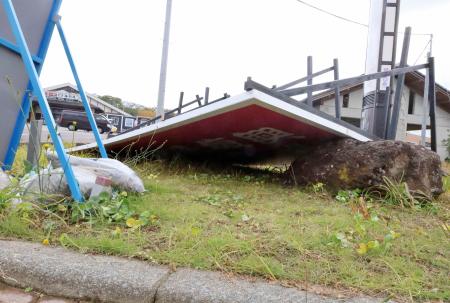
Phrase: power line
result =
(332, 14)
(424, 49)
(347, 19)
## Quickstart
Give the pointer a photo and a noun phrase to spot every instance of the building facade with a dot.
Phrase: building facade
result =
(68, 94)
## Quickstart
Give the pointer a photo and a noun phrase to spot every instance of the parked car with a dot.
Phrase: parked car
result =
(75, 120)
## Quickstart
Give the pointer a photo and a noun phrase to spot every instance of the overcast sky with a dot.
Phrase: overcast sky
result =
(218, 43)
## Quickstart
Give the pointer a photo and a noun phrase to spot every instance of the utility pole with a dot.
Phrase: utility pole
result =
(164, 59)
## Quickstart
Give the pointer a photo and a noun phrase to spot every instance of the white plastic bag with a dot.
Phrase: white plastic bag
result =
(121, 175)
(53, 181)
(4, 180)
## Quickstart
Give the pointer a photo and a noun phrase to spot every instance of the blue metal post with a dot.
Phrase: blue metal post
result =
(26, 103)
(83, 96)
(38, 91)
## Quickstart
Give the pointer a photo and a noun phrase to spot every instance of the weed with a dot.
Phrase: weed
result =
(362, 237)
(219, 219)
(398, 193)
(346, 196)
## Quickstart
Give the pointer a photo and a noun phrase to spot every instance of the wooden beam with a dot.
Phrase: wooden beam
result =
(352, 81)
(337, 93)
(432, 103)
(425, 111)
(392, 128)
(301, 80)
(207, 95)
(180, 102)
(310, 80)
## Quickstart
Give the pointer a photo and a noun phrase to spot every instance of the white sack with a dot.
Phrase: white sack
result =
(53, 181)
(4, 180)
(121, 175)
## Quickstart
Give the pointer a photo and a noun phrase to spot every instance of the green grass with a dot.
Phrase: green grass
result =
(241, 222)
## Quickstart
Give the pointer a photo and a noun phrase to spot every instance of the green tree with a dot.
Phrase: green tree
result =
(114, 101)
(131, 111)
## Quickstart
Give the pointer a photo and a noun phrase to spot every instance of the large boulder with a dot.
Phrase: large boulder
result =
(350, 164)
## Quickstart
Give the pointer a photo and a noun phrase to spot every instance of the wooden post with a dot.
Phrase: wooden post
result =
(337, 91)
(392, 131)
(310, 80)
(386, 110)
(432, 102)
(180, 103)
(425, 111)
(34, 140)
(207, 95)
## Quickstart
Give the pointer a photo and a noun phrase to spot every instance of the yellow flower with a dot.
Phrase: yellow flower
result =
(133, 223)
(394, 234)
(46, 241)
(373, 244)
(117, 231)
(362, 250)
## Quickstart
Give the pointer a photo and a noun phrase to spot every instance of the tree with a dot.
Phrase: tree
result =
(129, 107)
(147, 112)
(114, 101)
(132, 111)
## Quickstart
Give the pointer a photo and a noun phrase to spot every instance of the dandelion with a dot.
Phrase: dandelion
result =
(117, 231)
(362, 249)
(46, 241)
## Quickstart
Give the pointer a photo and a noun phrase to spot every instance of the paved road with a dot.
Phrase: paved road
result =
(15, 295)
(77, 137)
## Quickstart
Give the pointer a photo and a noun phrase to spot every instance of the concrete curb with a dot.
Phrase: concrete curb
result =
(60, 272)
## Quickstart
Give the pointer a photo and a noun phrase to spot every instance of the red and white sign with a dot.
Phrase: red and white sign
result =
(253, 124)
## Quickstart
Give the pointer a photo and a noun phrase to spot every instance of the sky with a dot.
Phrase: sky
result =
(117, 44)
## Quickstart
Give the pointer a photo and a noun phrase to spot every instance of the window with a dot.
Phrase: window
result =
(411, 103)
(345, 100)
(354, 121)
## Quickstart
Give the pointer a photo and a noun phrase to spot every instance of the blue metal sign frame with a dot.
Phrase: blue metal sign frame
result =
(39, 93)
(33, 66)
(26, 102)
(83, 96)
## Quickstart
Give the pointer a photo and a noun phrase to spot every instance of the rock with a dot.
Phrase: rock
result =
(4, 180)
(350, 164)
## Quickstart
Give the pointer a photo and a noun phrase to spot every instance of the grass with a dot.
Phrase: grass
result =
(244, 222)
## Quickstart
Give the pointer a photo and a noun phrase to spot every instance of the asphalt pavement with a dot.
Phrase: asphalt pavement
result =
(16, 295)
(74, 137)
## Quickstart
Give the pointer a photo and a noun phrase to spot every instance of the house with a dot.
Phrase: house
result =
(66, 96)
(411, 110)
